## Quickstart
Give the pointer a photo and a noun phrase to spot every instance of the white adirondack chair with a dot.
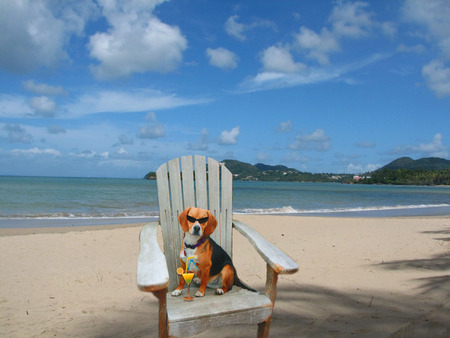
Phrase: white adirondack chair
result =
(190, 182)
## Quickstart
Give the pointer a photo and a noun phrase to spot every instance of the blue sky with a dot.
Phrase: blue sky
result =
(113, 88)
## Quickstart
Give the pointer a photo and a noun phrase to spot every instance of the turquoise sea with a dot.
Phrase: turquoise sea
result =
(53, 201)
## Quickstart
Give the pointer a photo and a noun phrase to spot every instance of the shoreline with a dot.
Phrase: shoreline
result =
(95, 222)
(57, 228)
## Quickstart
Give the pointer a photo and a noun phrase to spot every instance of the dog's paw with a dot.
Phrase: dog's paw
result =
(176, 292)
(219, 291)
(199, 294)
(197, 281)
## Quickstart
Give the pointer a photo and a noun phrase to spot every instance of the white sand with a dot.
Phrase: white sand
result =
(358, 277)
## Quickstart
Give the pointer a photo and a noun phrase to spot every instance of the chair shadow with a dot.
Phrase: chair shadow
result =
(305, 311)
(438, 263)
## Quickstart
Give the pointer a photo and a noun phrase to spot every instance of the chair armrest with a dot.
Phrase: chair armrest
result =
(152, 273)
(274, 257)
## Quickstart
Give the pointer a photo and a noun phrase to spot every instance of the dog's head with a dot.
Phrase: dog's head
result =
(197, 221)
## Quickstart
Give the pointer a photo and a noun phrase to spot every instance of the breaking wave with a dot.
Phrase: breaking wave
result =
(289, 210)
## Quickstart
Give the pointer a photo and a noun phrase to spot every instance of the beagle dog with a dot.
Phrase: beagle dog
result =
(214, 265)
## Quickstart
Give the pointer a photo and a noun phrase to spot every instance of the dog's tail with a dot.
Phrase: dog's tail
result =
(241, 284)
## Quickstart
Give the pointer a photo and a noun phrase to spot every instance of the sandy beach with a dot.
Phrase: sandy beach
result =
(368, 277)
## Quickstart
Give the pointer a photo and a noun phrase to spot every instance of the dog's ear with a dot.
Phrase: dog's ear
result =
(211, 225)
(183, 220)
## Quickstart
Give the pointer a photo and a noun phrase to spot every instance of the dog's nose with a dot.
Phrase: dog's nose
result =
(197, 229)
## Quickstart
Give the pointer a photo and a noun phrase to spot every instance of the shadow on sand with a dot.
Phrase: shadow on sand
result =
(305, 310)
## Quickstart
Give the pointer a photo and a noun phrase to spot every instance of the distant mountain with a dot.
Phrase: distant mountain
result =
(263, 172)
(430, 163)
(266, 167)
(404, 170)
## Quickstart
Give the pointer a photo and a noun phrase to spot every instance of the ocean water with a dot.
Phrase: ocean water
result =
(48, 201)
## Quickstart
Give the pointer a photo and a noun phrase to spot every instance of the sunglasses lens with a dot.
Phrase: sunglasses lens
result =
(193, 220)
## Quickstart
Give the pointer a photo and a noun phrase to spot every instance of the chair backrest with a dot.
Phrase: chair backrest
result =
(192, 182)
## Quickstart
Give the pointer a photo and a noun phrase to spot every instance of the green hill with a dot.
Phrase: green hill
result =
(263, 172)
(429, 163)
(406, 171)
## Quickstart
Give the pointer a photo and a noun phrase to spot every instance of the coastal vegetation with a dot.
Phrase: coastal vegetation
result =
(403, 171)
(262, 172)
(406, 171)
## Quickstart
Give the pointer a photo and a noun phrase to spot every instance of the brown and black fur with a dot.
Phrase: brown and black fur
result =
(211, 259)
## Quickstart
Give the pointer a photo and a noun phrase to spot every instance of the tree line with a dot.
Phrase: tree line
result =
(408, 177)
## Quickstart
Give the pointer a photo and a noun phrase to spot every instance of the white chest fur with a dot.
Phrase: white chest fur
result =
(189, 252)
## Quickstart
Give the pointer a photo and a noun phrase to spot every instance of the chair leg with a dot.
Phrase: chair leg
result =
(163, 328)
(263, 329)
(271, 292)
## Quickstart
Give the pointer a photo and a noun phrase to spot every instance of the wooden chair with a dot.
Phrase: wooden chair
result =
(187, 182)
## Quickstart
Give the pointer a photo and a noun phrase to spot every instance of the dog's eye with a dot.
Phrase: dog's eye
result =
(200, 220)
(203, 220)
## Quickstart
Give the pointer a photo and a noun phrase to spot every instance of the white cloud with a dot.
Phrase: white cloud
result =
(230, 137)
(433, 16)
(353, 168)
(222, 58)
(120, 102)
(372, 166)
(202, 143)
(54, 129)
(153, 129)
(349, 20)
(433, 149)
(285, 127)
(137, 41)
(43, 89)
(43, 106)
(15, 133)
(14, 106)
(90, 154)
(125, 140)
(272, 80)
(359, 168)
(317, 140)
(419, 48)
(263, 157)
(233, 28)
(37, 151)
(437, 76)
(317, 46)
(238, 30)
(279, 59)
(33, 36)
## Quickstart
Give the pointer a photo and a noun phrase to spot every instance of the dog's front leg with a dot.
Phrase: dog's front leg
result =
(204, 275)
(179, 290)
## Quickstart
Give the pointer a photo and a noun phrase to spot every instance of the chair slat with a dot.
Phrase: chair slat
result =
(226, 210)
(165, 219)
(200, 182)
(214, 196)
(187, 171)
(177, 207)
